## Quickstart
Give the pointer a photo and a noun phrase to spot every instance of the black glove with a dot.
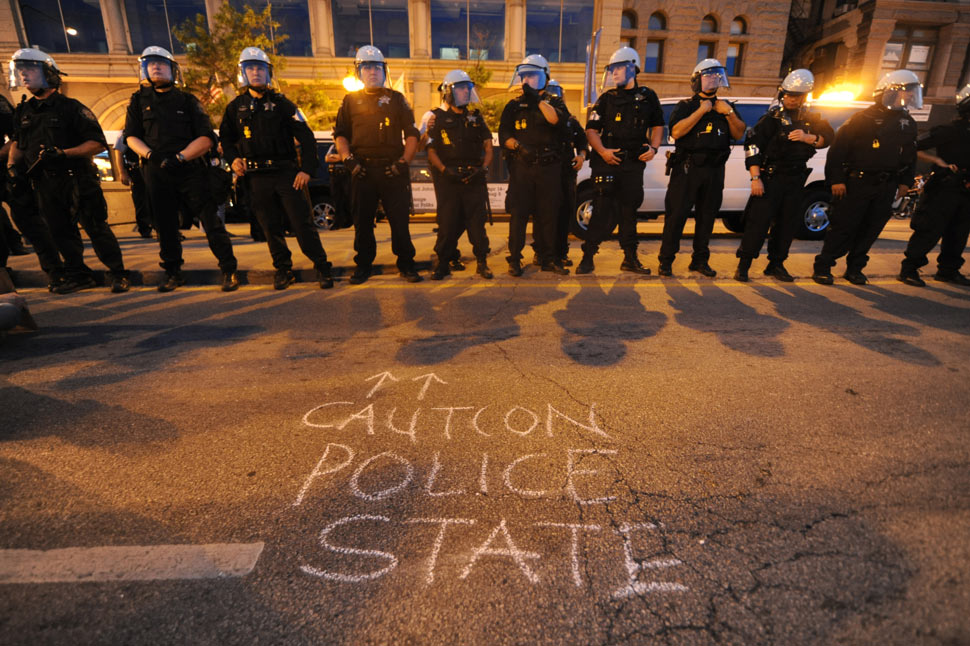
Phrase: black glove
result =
(530, 95)
(398, 168)
(474, 174)
(354, 167)
(170, 162)
(16, 180)
(527, 153)
(51, 154)
(452, 174)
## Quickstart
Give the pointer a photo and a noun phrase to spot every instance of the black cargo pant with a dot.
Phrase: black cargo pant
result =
(185, 188)
(943, 216)
(619, 193)
(777, 209)
(855, 222)
(268, 187)
(395, 194)
(567, 209)
(25, 214)
(461, 208)
(139, 198)
(68, 198)
(697, 188)
(534, 190)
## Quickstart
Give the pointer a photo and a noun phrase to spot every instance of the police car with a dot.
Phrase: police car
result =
(737, 185)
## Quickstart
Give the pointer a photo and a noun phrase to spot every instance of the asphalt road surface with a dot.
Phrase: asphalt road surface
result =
(593, 460)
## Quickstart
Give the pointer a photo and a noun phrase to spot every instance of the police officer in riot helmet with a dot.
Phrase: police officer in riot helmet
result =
(575, 150)
(376, 138)
(171, 132)
(56, 137)
(777, 150)
(531, 130)
(257, 133)
(624, 130)
(702, 127)
(943, 214)
(871, 163)
(460, 150)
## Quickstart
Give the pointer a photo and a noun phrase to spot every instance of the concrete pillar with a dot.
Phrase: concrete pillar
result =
(515, 31)
(321, 28)
(116, 31)
(880, 31)
(211, 9)
(419, 16)
(11, 32)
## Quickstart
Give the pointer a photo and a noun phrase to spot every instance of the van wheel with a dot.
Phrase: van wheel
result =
(733, 222)
(579, 223)
(324, 215)
(814, 215)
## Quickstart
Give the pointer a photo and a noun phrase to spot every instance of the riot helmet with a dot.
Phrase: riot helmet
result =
(899, 90)
(370, 67)
(33, 70)
(795, 88)
(157, 67)
(255, 69)
(963, 101)
(458, 89)
(623, 67)
(708, 76)
(553, 87)
(534, 70)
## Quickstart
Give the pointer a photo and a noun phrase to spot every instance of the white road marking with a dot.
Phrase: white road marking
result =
(129, 563)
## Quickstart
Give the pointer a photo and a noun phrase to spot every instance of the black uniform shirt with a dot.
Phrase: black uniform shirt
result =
(767, 142)
(56, 121)
(264, 128)
(6, 119)
(623, 118)
(874, 140)
(710, 134)
(375, 123)
(522, 120)
(167, 121)
(951, 141)
(576, 141)
(458, 138)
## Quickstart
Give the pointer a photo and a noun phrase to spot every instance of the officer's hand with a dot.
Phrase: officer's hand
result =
(530, 95)
(473, 175)
(398, 168)
(51, 154)
(578, 162)
(647, 155)
(356, 169)
(332, 158)
(526, 153)
(15, 178)
(757, 188)
(239, 166)
(901, 191)
(301, 180)
(610, 157)
(800, 135)
(706, 106)
(451, 172)
(723, 107)
(170, 162)
(431, 121)
(942, 164)
(838, 191)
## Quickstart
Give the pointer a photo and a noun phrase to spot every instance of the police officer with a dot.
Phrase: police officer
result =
(702, 127)
(171, 132)
(376, 139)
(57, 137)
(943, 214)
(531, 130)
(624, 130)
(427, 122)
(257, 132)
(776, 151)
(575, 150)
(132, 176)
(460, 150)
(870, 163)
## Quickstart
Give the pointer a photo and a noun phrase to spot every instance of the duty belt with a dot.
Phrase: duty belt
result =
(269, 164)
(876, 176)
(783, 169)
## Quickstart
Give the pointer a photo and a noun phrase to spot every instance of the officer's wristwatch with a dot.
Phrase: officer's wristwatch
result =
(180, 157)
(755, 177)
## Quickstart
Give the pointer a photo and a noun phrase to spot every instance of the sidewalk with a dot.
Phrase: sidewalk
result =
(256, 268)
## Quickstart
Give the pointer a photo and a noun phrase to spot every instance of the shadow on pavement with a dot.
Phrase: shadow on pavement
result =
(921, 311)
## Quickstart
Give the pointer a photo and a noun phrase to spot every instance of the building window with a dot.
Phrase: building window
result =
(628, 41)
(709, 25)
(150, 22)
(910, 48)
(457, 27)
(558, 29)
(735, 52)
(360, 22)
(64, 25)
(628, 20)
(653, 62)
(294, 19)
(705, 50)
(657, 22)
(739, 26)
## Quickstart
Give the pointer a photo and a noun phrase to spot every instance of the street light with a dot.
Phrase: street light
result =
(352, 83)
(71, 31)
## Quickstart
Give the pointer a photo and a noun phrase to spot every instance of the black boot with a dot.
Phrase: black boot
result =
(483, 269)
(741, 274)
(515, 268)
(585, 265)
(440, 269)
(632, 264)
(778, 270)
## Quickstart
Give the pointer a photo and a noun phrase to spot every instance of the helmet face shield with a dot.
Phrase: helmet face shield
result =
(903, 97)
(462, 93)
(713, 78)
(372, 74)
(27, 74)
(255, 74)
(534, 76)
(156, 70)
(619, 74)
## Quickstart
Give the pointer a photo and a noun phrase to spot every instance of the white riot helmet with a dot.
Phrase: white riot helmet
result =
(963, 100)
(709, 68)
(531, 64)
(459, 80)
(553, 87)
(155, 54)
(899, 90)
(797, 82)
(626, 59)
(369, 57)
(33, 59)
(253, 58)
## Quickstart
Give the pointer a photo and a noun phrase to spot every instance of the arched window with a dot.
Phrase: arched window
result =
(657, 21)
(738, 26)
(709, 24)
(628, 20)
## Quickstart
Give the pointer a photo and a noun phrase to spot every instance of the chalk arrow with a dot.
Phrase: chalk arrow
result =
(427, 383)
(384, 376)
